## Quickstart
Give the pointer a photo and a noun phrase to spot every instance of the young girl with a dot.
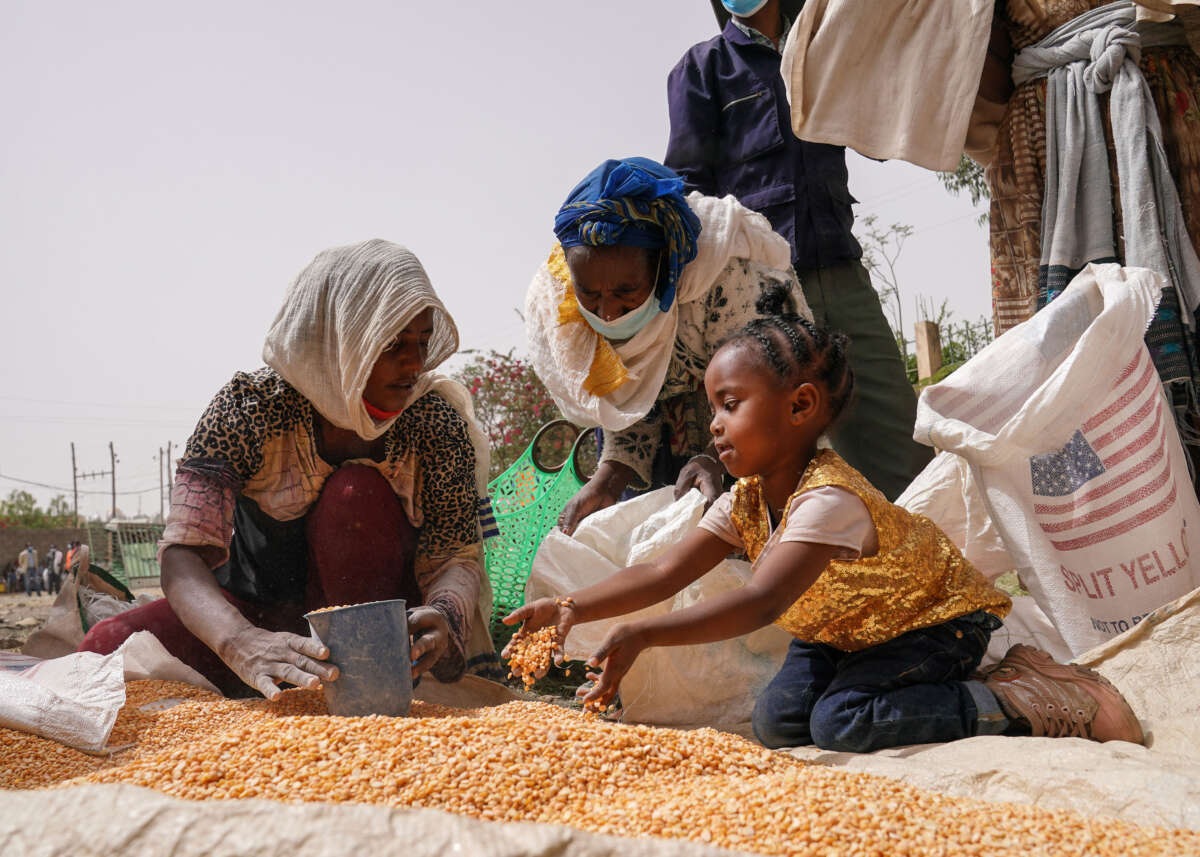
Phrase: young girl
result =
(889, 619)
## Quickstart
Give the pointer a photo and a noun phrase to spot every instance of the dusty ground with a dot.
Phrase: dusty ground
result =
(21, 615)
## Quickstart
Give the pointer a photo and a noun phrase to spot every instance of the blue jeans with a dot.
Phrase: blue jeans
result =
(910, 690)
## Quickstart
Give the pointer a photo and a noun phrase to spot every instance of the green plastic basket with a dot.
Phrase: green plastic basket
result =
(527, 499)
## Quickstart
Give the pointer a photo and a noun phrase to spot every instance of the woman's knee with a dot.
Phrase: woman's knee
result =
(352, 486)
(157, 617)
(361, 543)
(106, 637)
(357, 499)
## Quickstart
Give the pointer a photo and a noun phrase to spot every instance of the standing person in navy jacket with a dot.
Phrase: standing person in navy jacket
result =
(731, 134)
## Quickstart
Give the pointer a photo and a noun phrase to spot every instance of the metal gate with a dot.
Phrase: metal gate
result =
(128, 550)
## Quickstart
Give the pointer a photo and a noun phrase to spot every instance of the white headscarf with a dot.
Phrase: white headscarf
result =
(562, 353)
(340, 314)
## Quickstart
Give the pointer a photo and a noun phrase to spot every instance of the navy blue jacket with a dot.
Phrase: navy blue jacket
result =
(731, 133)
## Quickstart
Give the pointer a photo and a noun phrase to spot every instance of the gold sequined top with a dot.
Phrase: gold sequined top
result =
(916, 579)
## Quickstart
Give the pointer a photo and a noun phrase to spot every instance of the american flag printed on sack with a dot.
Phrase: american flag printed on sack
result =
(1100, 524)
(1114, 474)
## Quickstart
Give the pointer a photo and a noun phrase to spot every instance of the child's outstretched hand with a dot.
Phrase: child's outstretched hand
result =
(616, 655)
(559, 612)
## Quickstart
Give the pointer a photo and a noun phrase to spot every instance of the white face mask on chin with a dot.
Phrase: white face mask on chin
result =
(626, 326)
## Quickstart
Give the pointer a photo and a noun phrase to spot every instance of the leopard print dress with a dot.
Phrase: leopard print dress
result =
(253, 456)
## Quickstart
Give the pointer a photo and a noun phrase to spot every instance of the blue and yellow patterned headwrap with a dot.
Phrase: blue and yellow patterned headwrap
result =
(634, 202)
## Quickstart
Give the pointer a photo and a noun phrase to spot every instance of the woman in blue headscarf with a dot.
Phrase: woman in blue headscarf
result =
(622, 319)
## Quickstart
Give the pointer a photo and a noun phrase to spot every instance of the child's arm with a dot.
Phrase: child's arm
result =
(785, 574)
(630, 589)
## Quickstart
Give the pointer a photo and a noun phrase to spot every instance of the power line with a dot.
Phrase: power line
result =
(930, 228)
(78, 420)
(155, 407)
(920, 230)
(68, 490)
(890, 195)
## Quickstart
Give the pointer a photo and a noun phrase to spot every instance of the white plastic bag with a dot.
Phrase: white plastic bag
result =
(946, 493)
(98, 606)
(1069, 449)
(713, 683)
(146, 658)
(74, 699)
(63, 630)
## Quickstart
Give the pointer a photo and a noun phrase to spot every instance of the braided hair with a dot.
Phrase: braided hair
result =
(796, 350)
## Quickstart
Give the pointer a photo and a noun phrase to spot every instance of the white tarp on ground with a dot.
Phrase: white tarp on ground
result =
(109, 820)
(1156, 665)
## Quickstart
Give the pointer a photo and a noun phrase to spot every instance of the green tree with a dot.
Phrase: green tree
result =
(963, 340)
(968, 177)
(20, 509)
(881, 248)
(20, 505)
(59, 508)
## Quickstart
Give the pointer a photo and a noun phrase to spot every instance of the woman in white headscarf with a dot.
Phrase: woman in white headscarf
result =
(622, 319)
(343, 471)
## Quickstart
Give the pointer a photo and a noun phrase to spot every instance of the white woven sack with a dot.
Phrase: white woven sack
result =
(710, 684)
(1073, 449)
(946, 493)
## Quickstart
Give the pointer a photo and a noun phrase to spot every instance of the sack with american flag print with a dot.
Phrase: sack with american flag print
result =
(1071, 446)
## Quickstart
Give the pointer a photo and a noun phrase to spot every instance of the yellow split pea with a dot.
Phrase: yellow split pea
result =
(528, 761)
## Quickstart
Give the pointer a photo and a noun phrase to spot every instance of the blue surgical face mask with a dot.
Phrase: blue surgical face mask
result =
(627, 325)
(743, 8)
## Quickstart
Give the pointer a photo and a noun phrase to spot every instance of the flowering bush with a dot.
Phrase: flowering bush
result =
(511, 403)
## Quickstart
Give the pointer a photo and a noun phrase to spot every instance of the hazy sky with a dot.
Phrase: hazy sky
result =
(166, 170)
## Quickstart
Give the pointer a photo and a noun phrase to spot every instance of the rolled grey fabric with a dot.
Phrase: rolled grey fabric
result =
(1095, 53)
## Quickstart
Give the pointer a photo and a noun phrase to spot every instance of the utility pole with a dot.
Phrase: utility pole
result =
(170, 471)
(75, 483)
(112, 471)
(160, 484)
